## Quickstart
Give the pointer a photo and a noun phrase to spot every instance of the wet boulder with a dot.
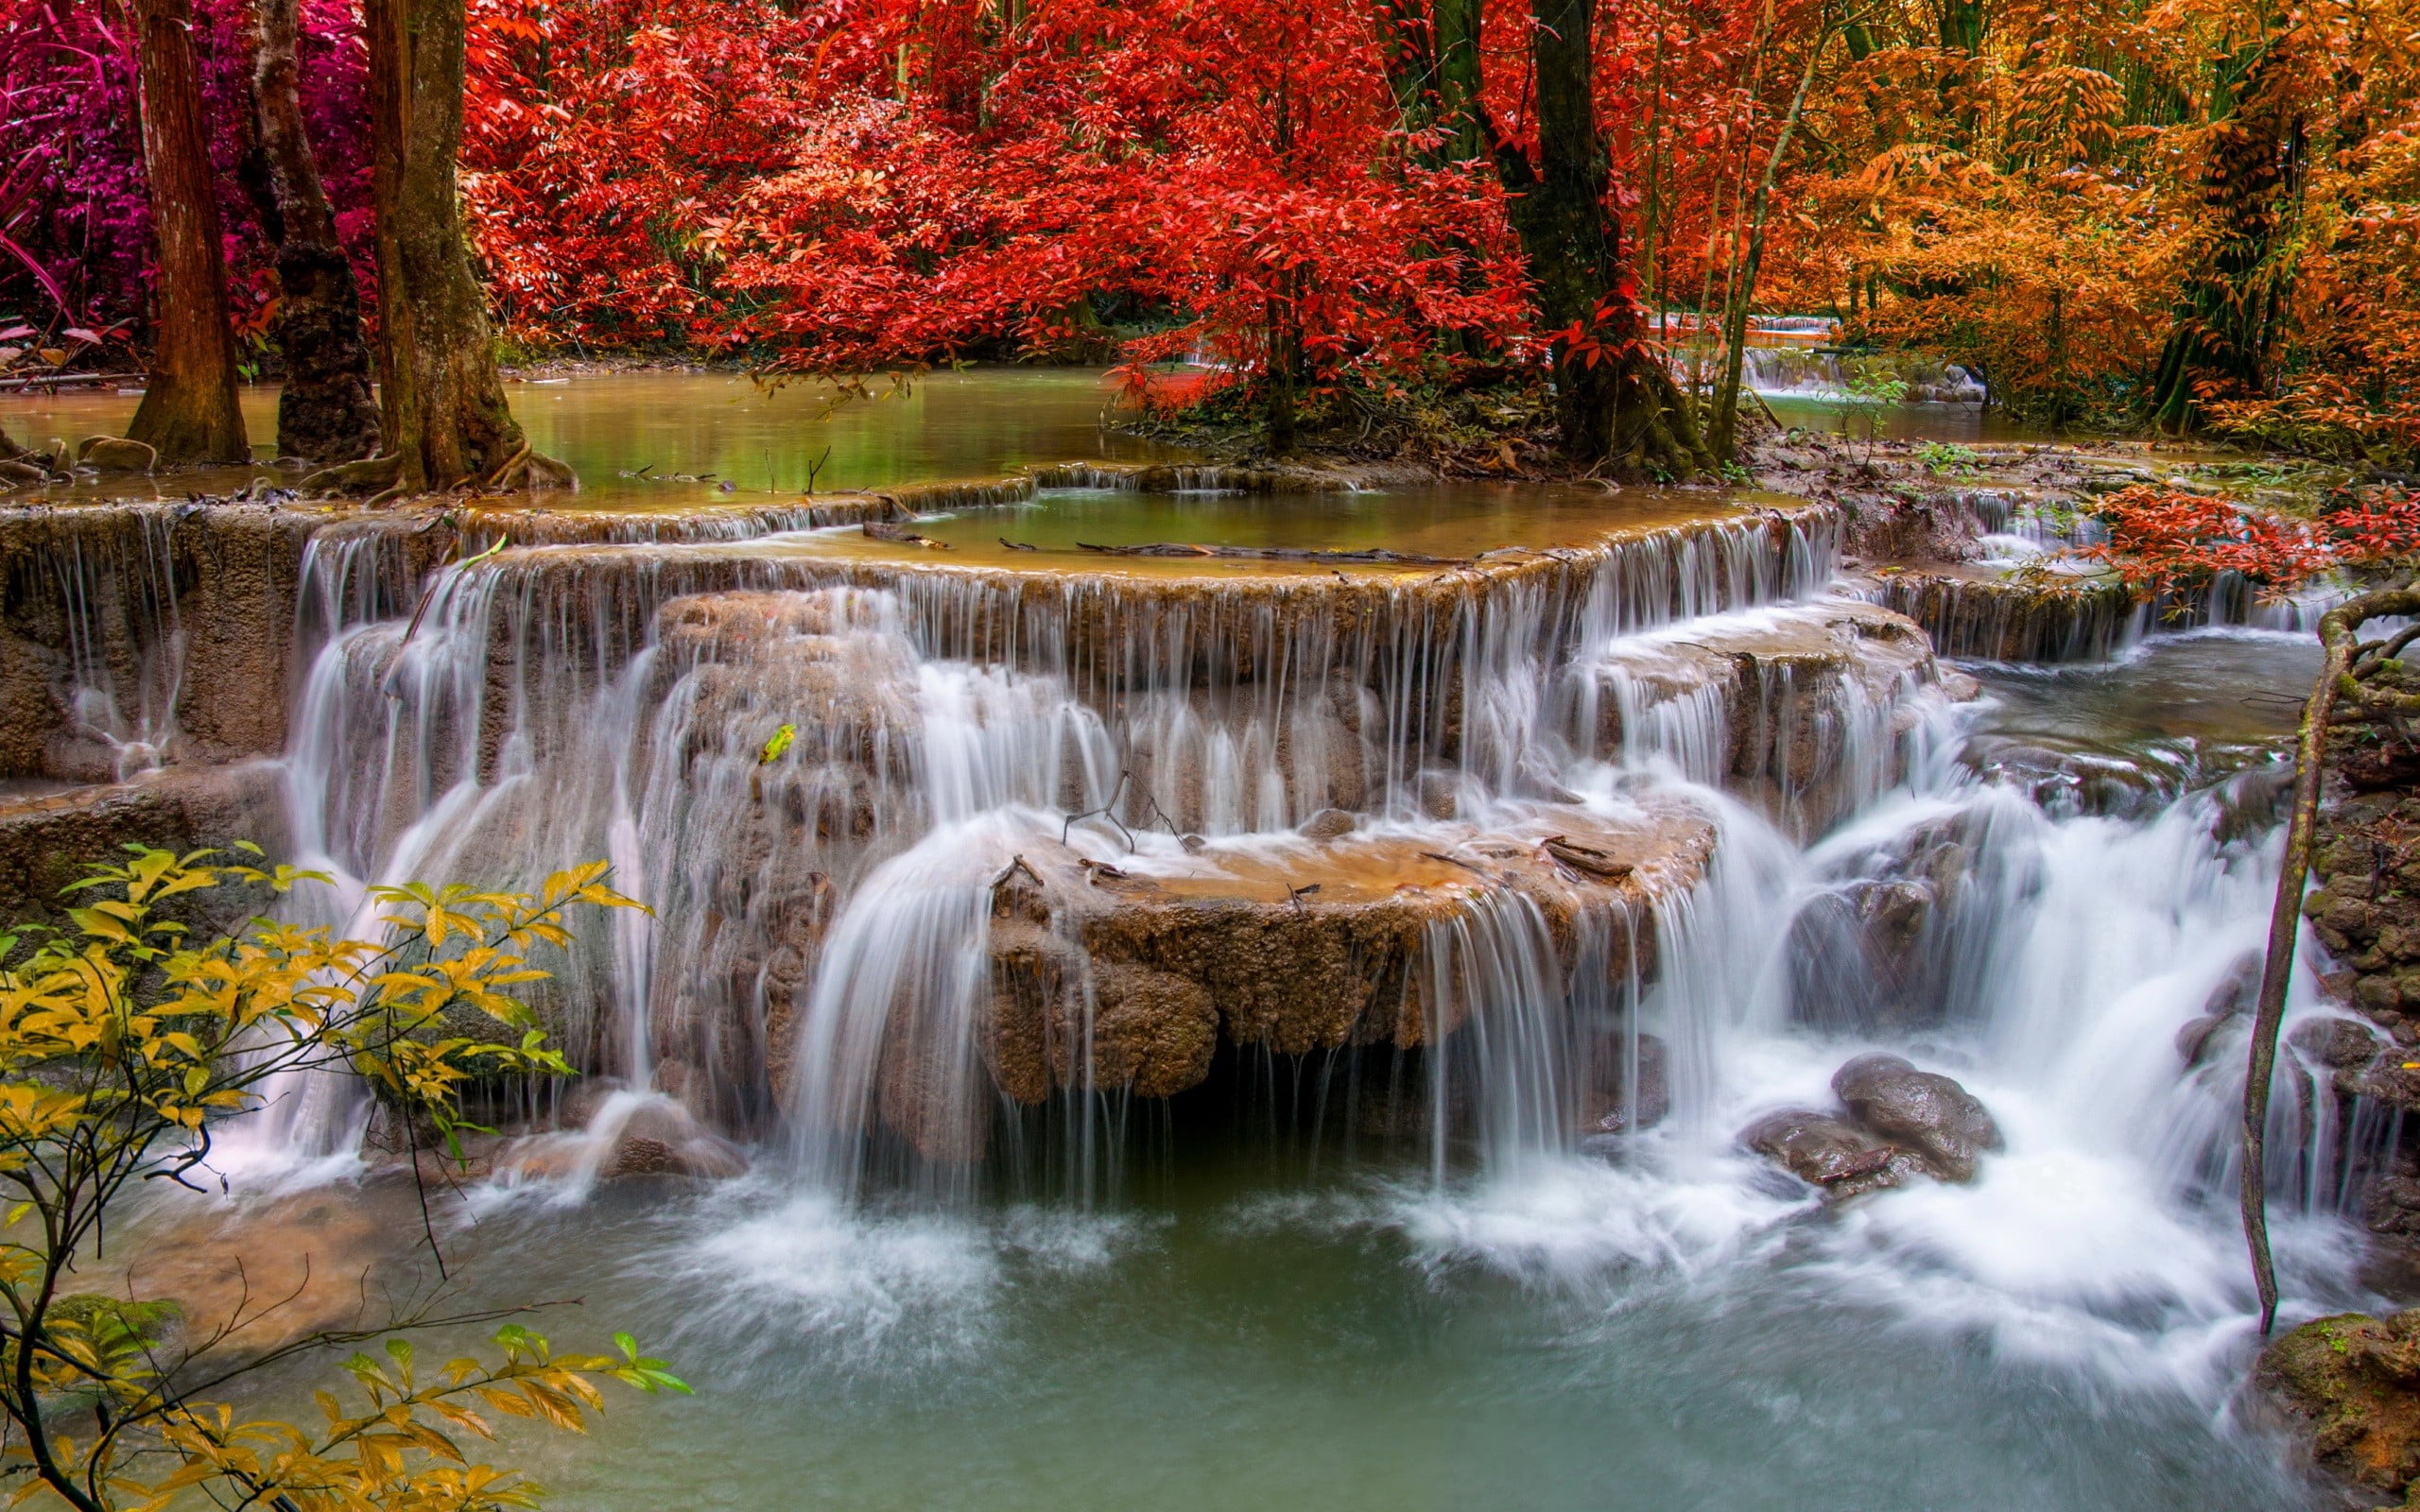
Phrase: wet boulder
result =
(1919, 1110)
(2337, 1044)
(1611, 1108)
(661, 1138)
(1329, 824)
(1825, 1150)
(2197, 1040)
(2352, 1385)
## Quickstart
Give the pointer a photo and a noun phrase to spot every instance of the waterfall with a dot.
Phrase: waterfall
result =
(1557, 844)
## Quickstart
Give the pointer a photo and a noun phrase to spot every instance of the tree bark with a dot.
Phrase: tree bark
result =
(1615, 403)
(1284, 364)
(1722, 442)
(1458, 76)
(446, 423)
(326, 411)
(189, 412)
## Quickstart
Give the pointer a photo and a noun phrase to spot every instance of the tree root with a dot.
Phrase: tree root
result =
(379, 475)
(531, 470)
(1655, 436)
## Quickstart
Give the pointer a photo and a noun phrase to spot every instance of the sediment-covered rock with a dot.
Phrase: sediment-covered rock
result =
(47, 841)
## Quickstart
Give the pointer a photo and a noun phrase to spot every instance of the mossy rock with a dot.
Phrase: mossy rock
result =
(2354, 1381)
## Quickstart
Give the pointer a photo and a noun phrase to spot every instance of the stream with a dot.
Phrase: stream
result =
(1273, 1285)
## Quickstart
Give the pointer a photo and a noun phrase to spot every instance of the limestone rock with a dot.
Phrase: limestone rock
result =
(1609, 1108)
(1328, 824)
(115, 453)
(1920, 1110)
(661, 1139)
(1829, 1151)
(2354, 1383)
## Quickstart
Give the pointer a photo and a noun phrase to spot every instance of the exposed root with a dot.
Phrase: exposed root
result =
(531, 470)
(380, 476)
(505, 470)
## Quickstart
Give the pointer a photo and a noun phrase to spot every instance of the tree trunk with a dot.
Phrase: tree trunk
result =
(1285, 365)
(1458, 76)
(1962, 39)
(325, 412)
(2226, 314)
(1722, 442)
(1615, 400)
(189, 413)
(445, 420)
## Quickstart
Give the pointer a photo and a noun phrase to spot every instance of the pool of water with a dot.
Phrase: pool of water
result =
(1247, 1334)
(1902, 422)
(1405, 528)
(671, 439)
(2171, 711)
(679, 440)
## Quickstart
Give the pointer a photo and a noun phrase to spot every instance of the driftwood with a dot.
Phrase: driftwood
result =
(1586, 860)
(885, 530)
(1376, 555)
(70, 380)
(2344, 676)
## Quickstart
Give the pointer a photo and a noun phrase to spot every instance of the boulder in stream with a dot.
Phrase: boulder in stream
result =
(1612, 1109)
(116, 454)
(1900, 1122)
(1919, 1110)
(1827, 1151)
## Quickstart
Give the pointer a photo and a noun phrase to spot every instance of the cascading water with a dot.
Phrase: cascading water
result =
(931, 855)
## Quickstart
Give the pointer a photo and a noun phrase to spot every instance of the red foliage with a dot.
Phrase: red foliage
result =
(864, 183)
(2167, 542)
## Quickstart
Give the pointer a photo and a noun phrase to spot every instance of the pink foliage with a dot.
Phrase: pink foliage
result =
(75, 219)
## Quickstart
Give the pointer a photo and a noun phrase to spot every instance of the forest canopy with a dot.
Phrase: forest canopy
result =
(2186, 213)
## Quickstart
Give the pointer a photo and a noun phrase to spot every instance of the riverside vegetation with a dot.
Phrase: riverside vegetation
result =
(127, 1040)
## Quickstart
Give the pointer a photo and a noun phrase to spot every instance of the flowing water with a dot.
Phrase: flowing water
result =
(955, 1276)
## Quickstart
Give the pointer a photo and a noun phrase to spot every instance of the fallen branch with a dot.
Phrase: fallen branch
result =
(1586, 860)
(68, 380)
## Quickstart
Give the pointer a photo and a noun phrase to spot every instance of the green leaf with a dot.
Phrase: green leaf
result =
(780, 743)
